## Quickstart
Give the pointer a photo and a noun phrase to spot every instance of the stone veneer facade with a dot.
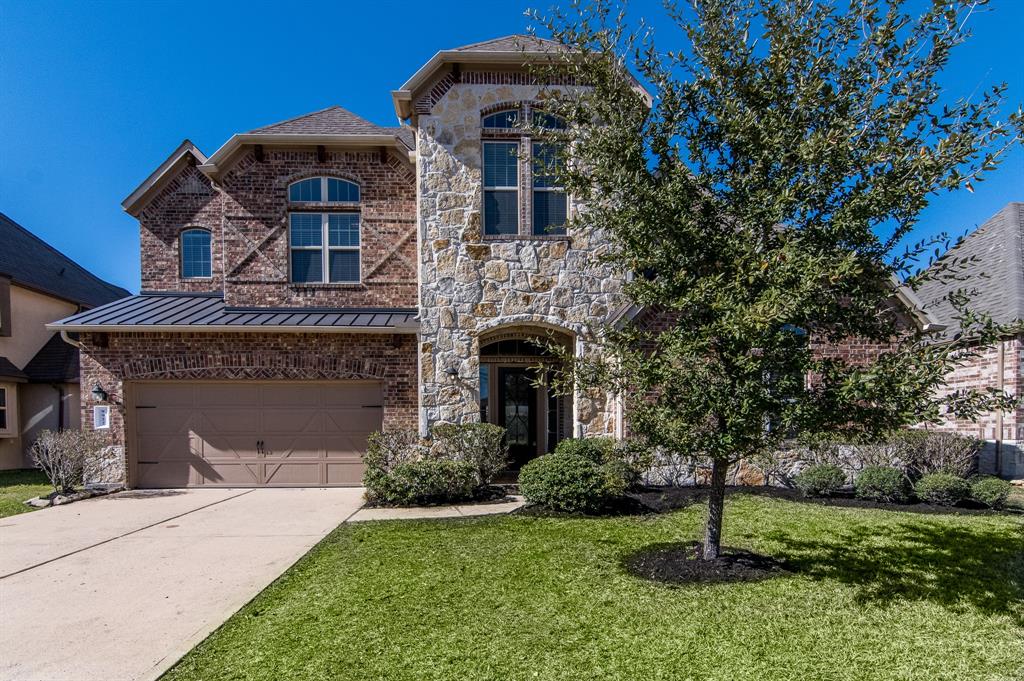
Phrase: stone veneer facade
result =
(471, 284)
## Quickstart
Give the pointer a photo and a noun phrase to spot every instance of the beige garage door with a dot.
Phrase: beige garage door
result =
(252, 434)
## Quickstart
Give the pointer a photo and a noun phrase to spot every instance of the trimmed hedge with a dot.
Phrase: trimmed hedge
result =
(943, 489)
(882, 483)
(569, 482)
(820, 480)
(990, 490)
(481, 444)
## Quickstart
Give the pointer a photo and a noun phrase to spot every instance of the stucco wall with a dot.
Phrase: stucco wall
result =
(472, 283)
(30, 311)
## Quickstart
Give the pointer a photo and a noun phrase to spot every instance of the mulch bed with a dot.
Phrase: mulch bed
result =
(664, 499)
(681, 563)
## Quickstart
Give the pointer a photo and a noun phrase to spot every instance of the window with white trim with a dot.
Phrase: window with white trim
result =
(196, 254)
(324, 244)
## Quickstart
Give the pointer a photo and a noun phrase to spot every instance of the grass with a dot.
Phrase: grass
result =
(875, 595)
(1016, 499)
(18, 486)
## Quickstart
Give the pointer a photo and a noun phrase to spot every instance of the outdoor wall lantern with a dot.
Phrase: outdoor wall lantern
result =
(98, 393)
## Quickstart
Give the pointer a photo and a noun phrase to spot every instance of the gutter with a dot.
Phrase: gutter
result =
(410, 328)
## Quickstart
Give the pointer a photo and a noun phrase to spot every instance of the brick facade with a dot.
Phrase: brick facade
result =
(247, 215)
(112, 360)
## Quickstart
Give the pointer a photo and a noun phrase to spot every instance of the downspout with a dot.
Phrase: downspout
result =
(71, 341)
(1000, 384)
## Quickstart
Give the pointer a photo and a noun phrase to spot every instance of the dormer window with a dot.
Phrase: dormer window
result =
(196, 254)
(522, 195)
(324, 244)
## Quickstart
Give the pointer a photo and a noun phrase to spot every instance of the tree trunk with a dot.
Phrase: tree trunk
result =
(716, 503)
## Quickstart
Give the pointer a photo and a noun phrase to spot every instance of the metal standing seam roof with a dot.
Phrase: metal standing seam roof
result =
(208, 312)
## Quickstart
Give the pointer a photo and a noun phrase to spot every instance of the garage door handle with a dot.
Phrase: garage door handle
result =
(259, 446)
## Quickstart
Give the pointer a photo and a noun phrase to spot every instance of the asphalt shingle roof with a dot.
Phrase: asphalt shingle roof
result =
(9, 370)
(991, 271)
(31, 262)
(512, 43)
(56, 362)
(330, 121)
(198, 310)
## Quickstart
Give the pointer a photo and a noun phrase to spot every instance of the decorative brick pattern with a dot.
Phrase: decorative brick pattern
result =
(189, 200)
(111, 360)
(248, 217)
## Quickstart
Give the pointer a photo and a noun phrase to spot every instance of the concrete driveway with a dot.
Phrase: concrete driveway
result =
(120, 587)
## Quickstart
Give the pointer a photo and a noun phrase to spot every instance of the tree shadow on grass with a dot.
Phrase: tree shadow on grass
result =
(951, 566)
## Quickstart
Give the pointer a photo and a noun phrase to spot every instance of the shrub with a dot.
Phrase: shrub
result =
(569, 482)
(481, 444)
(421, 483)
(950, 453)
(62, 456)
(991, 491)
(881, 483)
(389, 448)
(943, 489)
(820, 480)
(628, 460)
(597, 449)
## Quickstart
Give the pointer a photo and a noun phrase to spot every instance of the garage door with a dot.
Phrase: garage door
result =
(252, 434)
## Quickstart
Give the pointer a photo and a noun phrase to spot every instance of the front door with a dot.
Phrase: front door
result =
(517, 401)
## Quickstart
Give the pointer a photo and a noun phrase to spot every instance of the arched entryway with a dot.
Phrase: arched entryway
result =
(514, 391)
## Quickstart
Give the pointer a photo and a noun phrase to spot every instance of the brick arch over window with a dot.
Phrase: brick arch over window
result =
(249, 365)
(333, 173)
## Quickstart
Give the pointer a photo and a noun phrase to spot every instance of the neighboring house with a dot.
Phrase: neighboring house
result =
(991, 272)
(38, 371)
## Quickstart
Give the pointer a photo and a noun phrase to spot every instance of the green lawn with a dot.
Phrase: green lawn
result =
(877, 595)
(18, 486)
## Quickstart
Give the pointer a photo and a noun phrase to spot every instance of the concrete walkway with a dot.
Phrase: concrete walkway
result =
(120, 587)
(465, 510)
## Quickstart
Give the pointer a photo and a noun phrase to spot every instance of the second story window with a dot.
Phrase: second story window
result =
(196, 254)
(324, 244)
(522, 194)
(501, 188)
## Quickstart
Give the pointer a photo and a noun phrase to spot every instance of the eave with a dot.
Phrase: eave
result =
(221, 159)
(186, 153)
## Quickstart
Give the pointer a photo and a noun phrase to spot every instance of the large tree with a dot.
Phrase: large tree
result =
(758, 204)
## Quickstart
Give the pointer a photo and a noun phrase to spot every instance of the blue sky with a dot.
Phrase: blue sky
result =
(94, 95)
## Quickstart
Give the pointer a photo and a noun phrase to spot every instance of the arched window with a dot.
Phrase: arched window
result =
(324, 244)
(542, 207)
(196, 254)
(502, 119)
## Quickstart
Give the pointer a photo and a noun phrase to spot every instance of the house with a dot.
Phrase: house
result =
(991, 272)
(320, 278)
(38, 371)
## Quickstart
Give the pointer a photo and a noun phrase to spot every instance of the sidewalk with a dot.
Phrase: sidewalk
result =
(466, 510)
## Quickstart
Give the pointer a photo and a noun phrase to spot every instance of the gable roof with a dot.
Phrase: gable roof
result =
(331, 126)
(56, 362)
(330, 121)
(991, 271)
(32, 263)
(185, 153)
(511, 50)
(517, 42)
